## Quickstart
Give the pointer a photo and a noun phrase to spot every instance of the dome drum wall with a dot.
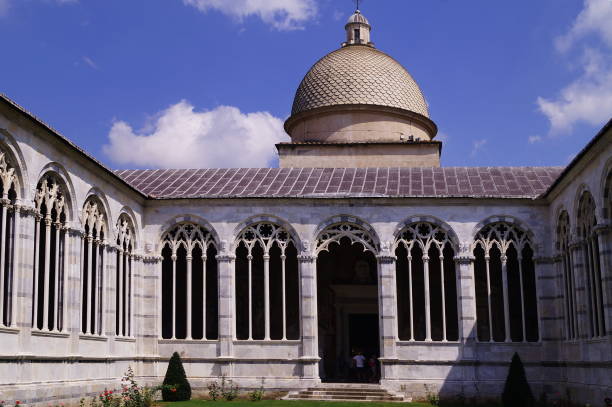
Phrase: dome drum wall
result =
(359, 155)
(358, 123)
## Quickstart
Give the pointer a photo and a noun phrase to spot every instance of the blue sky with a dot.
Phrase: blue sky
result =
(200, 83)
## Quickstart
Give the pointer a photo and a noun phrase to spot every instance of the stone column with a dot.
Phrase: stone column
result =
(604, 236)
(227, 321)
(583, 329)
(110, 290)
(550, 326)
(466, 287)
(308, 313)
(387, 306)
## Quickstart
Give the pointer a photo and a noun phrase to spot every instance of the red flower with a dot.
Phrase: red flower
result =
(17, 402)
(173, 390)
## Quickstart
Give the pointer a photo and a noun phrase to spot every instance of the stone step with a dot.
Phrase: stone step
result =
(351, 392)
(345, 397)
(379, 390)
(346, 392)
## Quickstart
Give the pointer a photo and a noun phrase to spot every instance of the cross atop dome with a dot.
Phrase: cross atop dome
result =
(358, 30)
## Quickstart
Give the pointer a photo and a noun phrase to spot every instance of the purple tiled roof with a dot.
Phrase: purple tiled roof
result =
(475, 182)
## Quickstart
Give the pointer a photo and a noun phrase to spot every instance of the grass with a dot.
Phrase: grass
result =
(283, 403)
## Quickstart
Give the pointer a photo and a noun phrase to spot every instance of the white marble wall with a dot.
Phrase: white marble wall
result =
(38, 367)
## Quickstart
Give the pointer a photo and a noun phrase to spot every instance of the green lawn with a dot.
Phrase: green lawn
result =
(283, 403)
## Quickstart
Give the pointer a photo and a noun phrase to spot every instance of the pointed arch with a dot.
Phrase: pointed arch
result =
(187, 218)
(8, 234)
(52, 205)
(426, 280)
(504, 269)
(606, 188)
(263, 219)
(17, 161)
(189, 291)
(58, 175)
(353, 228)
(591, 267)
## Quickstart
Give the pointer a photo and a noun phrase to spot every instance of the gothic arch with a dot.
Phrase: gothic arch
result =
(189, 277)
(61, 175)
(606, 195)
(510, 220)
(127, 212)
(357, 230)
(96, 196)
(8, 144)
(186, 218)
(101, 197)
(445, 227)
(266, 219)
(505, 281)
(425, 250)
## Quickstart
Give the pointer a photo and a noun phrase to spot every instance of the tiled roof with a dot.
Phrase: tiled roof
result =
(474, 182)
(359, 75)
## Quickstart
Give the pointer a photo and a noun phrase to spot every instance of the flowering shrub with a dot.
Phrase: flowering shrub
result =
(130, 395)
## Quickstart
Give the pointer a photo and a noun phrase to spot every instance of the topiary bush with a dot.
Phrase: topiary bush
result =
(176, 386)
(516, 390)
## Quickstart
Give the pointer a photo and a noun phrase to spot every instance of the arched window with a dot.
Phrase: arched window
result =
(49, 249)
(7, 239)
(592, 276)
(506, 300)
(93, 261)
(567, 270)
(426, 284)
(267, 284)
(124, 286)
(189, 284)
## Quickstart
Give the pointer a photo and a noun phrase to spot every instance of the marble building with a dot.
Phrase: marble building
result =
(360, 241)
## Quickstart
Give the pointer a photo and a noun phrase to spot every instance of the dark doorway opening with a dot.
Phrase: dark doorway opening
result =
(347, 293)
(363, 334)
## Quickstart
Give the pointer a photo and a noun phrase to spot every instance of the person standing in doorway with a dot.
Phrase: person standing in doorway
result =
(359, 364)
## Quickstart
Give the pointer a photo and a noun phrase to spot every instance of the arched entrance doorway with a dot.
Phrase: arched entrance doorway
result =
(347, 299)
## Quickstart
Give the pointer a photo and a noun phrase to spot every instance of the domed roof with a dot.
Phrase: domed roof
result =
(359, 75)
(357, 17)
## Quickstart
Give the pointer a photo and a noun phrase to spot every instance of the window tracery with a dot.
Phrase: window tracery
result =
(49, 254)
(266, 307)
(505, 284)
(93, 260)
(7, 239)
(592, 276)
(189, 283)
(335, 233)
(567, 270)
(426, 284)
(124, 277)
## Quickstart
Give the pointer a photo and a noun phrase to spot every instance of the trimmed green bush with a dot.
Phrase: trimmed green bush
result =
(516, 390)
(176, 387)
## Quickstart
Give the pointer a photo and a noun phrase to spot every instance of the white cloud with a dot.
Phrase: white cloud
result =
(477, 145)
(595, 17)
(4, 6)
(589, 97)
(280, 14)
(534, 139)
(180, 137)
(90, 63)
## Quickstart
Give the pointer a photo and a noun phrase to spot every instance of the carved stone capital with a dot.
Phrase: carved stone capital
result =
(225, 257)
(307, 257)
(602, 229)
(544, 260)
(464, 259)
(386, 258)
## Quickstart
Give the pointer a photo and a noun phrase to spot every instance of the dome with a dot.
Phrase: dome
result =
(359, 75)
(357, 17)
